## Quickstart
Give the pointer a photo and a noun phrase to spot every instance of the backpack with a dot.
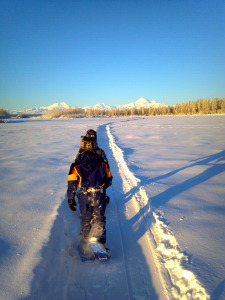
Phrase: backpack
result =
(89, 160)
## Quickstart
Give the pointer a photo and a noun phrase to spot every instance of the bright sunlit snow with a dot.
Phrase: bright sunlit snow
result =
(165, 220)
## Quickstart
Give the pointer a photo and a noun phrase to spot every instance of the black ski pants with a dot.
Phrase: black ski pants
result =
(92, 203)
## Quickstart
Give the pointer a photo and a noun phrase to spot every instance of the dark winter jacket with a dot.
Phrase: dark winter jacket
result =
(98, 151)
(88, 170)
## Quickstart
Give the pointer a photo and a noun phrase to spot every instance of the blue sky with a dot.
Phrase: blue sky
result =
(113, 51)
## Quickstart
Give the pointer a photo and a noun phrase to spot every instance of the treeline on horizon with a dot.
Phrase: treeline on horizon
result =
(198, 107)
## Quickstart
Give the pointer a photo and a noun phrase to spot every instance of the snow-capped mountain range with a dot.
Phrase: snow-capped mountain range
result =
(142, 102)
(98, 106)
(41, 110)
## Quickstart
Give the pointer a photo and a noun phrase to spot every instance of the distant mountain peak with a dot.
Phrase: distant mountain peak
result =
(59, 105)
(98, 106)
(140, 103)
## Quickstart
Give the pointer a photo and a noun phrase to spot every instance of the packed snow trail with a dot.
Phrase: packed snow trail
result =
(183, 283)
(127, 275)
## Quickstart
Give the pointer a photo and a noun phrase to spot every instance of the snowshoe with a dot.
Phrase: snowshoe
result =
(99, 250)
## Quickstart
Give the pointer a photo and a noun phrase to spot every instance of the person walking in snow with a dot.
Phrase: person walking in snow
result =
(92, 135)
(90, 173)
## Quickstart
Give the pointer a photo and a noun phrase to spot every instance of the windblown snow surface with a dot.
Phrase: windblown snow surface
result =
(165, 220)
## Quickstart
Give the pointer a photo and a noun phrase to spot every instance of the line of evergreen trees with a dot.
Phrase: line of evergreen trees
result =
(199, 107)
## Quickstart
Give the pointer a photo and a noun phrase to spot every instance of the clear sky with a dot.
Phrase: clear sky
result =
(84, 52)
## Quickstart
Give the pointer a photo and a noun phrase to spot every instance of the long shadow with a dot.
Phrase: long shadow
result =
(164, 197)
(202, 161)
(219, 293)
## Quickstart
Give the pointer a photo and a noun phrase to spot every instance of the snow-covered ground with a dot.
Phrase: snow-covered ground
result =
(165, 221)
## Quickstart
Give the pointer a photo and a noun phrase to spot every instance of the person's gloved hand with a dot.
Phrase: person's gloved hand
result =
(72, 203)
